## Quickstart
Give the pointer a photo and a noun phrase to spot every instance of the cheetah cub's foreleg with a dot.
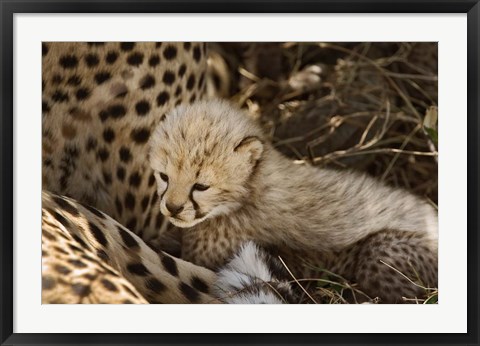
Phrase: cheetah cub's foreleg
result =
(220, 178)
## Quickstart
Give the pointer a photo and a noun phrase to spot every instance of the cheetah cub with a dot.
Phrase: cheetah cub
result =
(220, 179)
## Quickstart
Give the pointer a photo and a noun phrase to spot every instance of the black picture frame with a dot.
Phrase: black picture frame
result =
(9, 8)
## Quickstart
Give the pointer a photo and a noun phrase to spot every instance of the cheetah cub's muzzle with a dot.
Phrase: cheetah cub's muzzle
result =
(202, 169)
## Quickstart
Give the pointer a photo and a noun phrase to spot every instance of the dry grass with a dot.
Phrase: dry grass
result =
(363, 106)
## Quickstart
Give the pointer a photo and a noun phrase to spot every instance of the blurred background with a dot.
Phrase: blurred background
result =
(365, 106)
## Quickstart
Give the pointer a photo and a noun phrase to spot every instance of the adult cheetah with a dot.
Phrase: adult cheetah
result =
(100, 102)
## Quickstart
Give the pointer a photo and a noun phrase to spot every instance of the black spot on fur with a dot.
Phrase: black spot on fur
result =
(191, 82)
(81, 290)
(103, 154)
(155, 285)
(97, 233)
(190, 293)
(82, 94)
(151, 180)
(187, 46)
(74, 80)
(60, 96)
(125, 155)
(45, 107)
(111, 57)
(48, 235)
(178, 91)
(68, 61)
(77, 263)
(61, 219)
(132, 223)
(102, 255)
(48, 282)
(117, 111)
(168, 77)
(170, 52)
(108, 135)
(128, 239)
(107, 178)
(138, 269)
(199, 284)
(170, 265)
(65, 205)
(135, 59)
(121, 173)
(182, 70)
(89, 276)
(140, 135)
(135, 179)
(80, 241)
(110, 286)
(91, 144)
(197, 53)
(59, 249)
(129, 201)
(147, 82)
(57, 79)
(154, 60)
(92, 60)
(102, 77)
(103, 115)
(127, 46)
(48, 163)
(142, 107)
(162, 98)
(154, 198)
(61, 269)
(144, 202)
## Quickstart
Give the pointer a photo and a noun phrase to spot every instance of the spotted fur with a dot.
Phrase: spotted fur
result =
(351, 222)
(100, 102)
(109, 261)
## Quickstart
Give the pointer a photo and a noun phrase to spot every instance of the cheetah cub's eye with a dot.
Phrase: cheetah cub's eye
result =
(164, 177)
(200, 187)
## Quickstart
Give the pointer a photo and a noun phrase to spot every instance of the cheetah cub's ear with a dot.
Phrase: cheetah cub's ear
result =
(252, 147)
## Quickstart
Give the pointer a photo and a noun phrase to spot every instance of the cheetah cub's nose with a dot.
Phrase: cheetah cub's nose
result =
(174, 209)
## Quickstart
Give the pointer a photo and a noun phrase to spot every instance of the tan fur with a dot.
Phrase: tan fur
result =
(91, 96)
(257, 194)
(100, 102)
(78, 268)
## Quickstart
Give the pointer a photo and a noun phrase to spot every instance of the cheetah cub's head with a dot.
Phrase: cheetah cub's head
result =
(203, 156)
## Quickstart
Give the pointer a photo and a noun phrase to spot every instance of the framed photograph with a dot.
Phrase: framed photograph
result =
(239, 172)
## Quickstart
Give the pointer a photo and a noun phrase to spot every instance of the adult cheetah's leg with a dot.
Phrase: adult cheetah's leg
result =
(160, 278)
(73, 274)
